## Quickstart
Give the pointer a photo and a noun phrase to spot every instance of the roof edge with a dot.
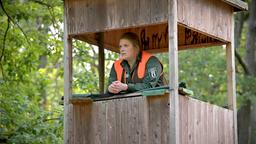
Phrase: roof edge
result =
(237, 4)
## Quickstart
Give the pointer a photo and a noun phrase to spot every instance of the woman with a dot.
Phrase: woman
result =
(135, 70)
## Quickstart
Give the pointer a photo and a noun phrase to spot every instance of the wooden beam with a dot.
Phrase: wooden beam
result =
(231, 81)
(101, 67)
(67, 83)
(173, 72)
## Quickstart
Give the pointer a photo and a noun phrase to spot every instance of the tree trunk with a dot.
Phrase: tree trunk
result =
(251, 39)
(251, 61)
(247, 113)
(239, 24)
(243, 114)
(253, 123)
(243, 120)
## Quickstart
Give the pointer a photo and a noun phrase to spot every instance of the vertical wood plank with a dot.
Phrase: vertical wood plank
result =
(165, 119)
(100, 122)
(158, 10)
(124, 122)
(111, 122)
(101, 59)
(135, 119)
(210, 138)
(225, 117)
(184, 120)
(81, 16)
(91, 15)
(87, 109)
(144, 14)
(215, 125)
(111, 11)
(67, 83)
(144, 120)
(129, 124)
(231, 81)
(134, 12)
(76, 121)
(173, 72)
(82, 123)
(197, 123)
(70, 13)
(118, 120)
(221, 124)
(231, 128)
(204, 120)
(191, 122)
(93, 126)
(122, 16)
(154, 120)
(100, 18)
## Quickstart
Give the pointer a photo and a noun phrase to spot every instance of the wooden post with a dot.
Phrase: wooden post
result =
(231, 81)
(173, 72)
(101, 68)
(67, 84)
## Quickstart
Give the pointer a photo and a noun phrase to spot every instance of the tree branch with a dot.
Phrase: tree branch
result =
(41, 3)
(9, 18)
(2, 53)
(241, 62)
(5, 35)
(50, 119)
(51, 12)
(50, 9)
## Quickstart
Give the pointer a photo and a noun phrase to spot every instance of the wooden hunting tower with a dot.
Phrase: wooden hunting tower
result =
(163, 26)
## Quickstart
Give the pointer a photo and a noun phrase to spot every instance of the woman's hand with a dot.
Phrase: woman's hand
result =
(117, 86)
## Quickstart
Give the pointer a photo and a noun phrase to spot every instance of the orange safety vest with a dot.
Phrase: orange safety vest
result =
(141, 67)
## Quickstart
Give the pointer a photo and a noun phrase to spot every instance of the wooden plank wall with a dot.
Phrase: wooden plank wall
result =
(89, 16)
(209, 16)
(98, 15)
(204, 123)
(146, 121)
(154, 38)
(130, 120)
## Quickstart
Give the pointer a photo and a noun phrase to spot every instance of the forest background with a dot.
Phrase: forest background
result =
(31, 71)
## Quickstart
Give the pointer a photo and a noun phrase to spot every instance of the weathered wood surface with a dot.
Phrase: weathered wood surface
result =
(231, 80)
(146, 120)
(155, 38)
(212, 17)
(68, 82)
(173, 75)
(209, 16)
(101, 60)
(238, 4)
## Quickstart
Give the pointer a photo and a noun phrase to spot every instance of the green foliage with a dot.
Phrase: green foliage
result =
(85, 67)
(31, 72)
(245, 88)
(204, 71)
(30, 87)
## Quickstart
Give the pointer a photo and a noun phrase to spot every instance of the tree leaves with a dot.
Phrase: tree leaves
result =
(25, 116)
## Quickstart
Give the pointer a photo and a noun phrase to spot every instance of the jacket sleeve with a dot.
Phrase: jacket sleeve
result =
(152, 76)
(112, 75)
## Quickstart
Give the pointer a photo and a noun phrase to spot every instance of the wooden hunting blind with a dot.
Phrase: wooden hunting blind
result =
(163, 26)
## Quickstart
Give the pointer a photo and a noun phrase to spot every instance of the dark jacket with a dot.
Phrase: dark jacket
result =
(153, 76)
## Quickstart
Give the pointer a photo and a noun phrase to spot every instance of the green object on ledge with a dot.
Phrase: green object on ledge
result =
(155, 92)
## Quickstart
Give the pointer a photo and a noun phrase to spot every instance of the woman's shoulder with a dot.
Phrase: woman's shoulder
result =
(153, 60)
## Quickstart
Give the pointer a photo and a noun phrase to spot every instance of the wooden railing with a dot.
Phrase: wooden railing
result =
(145, 120)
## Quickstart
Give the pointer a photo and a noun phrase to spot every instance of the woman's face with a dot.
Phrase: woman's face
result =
(127, 50)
